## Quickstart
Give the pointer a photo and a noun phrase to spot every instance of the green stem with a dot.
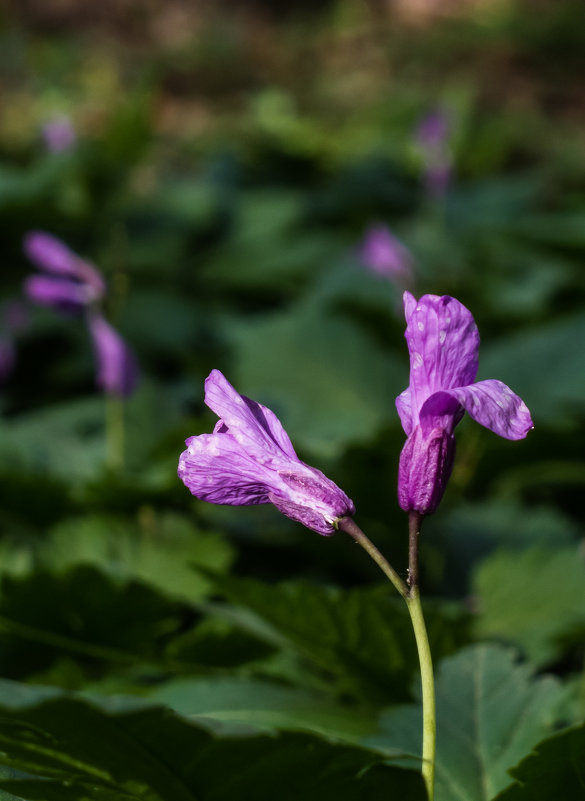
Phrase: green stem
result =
(115, 432)
(410, 592)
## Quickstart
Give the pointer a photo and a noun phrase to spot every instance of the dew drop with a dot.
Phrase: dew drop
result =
(442, 336)
(416, 360)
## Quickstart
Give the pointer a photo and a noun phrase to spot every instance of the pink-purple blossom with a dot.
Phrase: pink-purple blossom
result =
(432, 138)
(71, 284)
(443, 343)
(249, 459)
(385, 255)
(59, 134)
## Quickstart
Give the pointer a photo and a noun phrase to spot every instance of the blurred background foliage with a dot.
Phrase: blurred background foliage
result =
(228, 159)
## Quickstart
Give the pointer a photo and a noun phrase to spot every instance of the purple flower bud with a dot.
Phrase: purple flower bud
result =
(443, 343)
(117, 370)
(382, 253)
(249, 459)
(59, 134)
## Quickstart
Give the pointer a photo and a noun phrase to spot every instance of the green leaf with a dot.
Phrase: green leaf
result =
(555, 769)
(131, 750)
(362, 637)
(84, 615)
(265, 705)
(552, 350)
(160, 550)
(490, 712)
(328, 381)
(532, 598)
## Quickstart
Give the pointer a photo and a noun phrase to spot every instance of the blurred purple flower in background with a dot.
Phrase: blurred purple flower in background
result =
(443, 343)
(117, 370)
(77, 286)
(59, 134)
(432, 139)
(14, 319)
(7, 357)
(385, 255)
(249, 459)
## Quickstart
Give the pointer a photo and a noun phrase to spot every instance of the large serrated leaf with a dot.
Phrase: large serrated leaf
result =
(132, 750)
(490, 712)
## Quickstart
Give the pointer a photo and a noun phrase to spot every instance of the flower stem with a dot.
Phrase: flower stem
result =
(411, 594)
(347, 524)
(115, 431)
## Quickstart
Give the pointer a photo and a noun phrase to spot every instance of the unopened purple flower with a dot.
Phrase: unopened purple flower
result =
(117, 370)
(249, 459)
(384, 254)
(443, 343)
(59, 134)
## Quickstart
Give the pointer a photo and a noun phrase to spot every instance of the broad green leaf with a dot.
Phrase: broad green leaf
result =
(330, 384)
(532, 598)
(490, 712)
(133, 751)
(555, 769)
(82, 615)
(158, 549)
(265, 705)
(362, 637)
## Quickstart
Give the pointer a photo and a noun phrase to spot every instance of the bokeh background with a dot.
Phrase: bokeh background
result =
(222, 164)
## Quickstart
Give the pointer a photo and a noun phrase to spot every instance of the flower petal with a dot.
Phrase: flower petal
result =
(49, 253)
(443, 343)
(404, 409)
(58, 293)
(217, 469)
(491, 403)
(251, 424)
(117, 370)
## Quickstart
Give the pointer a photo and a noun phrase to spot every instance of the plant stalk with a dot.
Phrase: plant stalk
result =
(411, 594)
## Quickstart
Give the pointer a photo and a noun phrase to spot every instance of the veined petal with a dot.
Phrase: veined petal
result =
(491, 403)
(254, 426)
(217, 469)
(443, 343)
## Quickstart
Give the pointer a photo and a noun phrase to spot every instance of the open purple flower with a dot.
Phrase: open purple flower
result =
(443, 343)
(382, 253)
(249, 459)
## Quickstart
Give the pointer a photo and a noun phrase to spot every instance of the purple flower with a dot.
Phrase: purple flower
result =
(432, 135)
(443, 343)
(384, 254)
(75, 285)
(249, 459)
(117, 370)
(59, 134)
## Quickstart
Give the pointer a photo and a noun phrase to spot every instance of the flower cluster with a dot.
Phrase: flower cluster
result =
(249, 458)
(73, 285)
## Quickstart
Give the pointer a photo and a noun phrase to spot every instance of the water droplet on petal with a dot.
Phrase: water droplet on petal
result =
(420, 325)
(442, 336)
(417, 360)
